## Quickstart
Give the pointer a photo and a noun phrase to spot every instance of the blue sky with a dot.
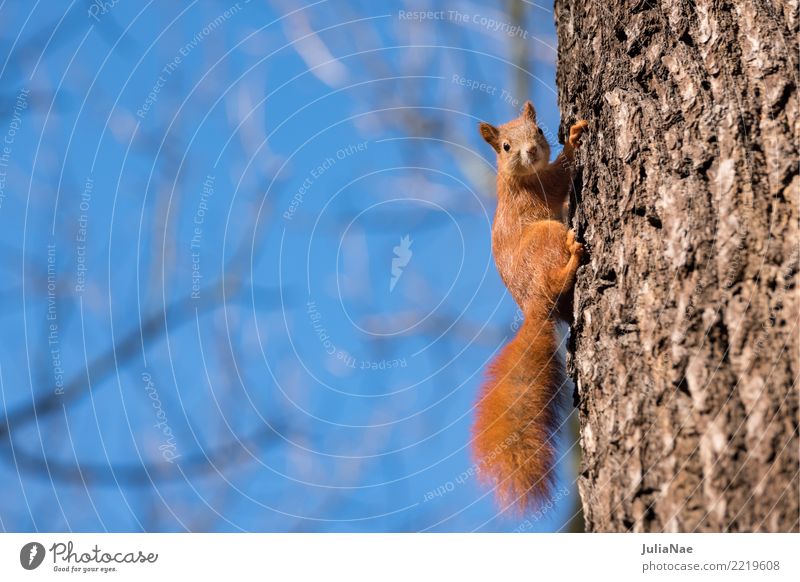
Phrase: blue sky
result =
(218, 190)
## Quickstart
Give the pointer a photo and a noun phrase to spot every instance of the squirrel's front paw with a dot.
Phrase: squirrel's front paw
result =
(575, 132)
(573, 246)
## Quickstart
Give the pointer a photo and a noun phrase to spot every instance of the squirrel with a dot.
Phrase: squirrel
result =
(517, 412)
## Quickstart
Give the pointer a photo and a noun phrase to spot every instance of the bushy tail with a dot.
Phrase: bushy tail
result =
(518, 415)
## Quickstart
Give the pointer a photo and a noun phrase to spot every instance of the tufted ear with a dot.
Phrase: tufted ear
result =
(491, 134)
(529, 112)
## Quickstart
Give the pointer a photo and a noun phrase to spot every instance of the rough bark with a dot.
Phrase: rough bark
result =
(685, 341)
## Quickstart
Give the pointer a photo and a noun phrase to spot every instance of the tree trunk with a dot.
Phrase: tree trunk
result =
(685, 342)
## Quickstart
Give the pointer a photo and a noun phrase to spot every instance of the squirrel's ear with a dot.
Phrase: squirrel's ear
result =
(491, 134)
(529, 112)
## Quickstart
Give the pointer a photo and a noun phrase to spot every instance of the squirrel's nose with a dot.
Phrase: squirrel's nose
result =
(531, 150)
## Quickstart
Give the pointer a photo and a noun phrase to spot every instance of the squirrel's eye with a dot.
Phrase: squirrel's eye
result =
(540, 131)
(506, 146)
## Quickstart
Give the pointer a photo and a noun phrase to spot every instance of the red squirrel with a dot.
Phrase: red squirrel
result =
(537, 256)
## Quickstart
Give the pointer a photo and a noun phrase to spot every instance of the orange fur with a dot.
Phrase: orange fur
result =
(537, 258)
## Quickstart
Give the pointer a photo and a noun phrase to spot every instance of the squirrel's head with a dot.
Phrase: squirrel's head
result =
(520, 144)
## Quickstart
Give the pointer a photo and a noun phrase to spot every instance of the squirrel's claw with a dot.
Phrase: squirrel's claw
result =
(573, 246)
(575, 132)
